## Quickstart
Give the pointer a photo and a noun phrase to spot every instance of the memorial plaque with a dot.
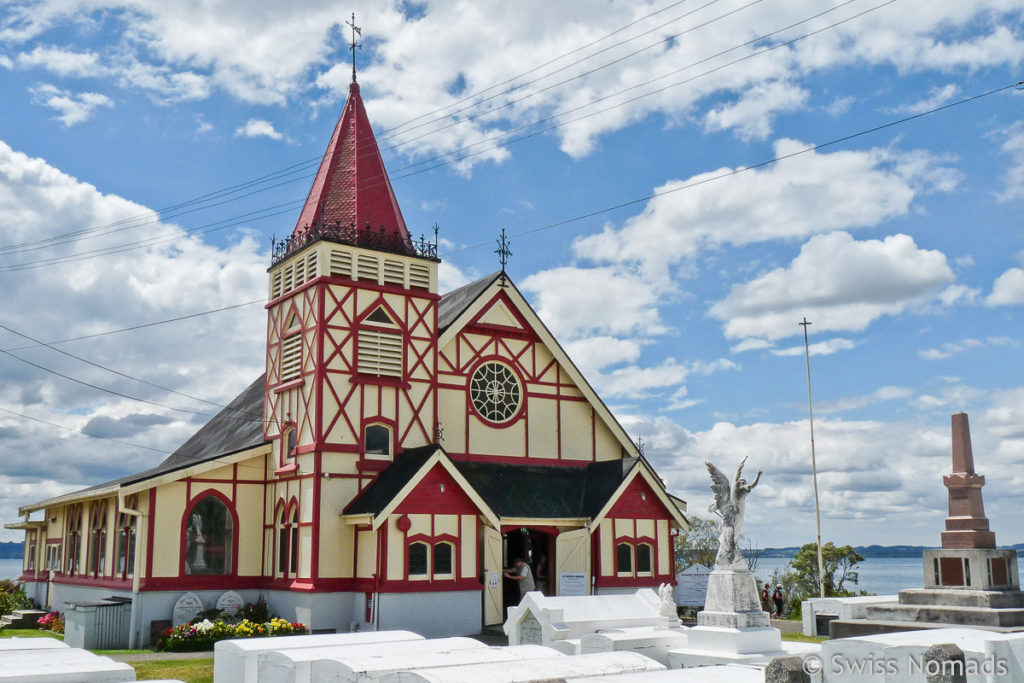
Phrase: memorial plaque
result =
(187, 608)
(230, 603)
(572, 583)
(529, 631)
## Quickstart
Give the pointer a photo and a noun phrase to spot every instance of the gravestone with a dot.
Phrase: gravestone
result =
(359, 667)
(237, 661)
(186, 609)
(555, 669)
(67, 664)
(297, 665)
(230, 602)
(546, 620)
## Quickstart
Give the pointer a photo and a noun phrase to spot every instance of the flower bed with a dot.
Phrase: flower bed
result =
(51, 622)
(202, 636)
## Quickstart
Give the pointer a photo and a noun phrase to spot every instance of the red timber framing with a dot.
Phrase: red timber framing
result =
(539, 373)
(636, 504)
(437, 493)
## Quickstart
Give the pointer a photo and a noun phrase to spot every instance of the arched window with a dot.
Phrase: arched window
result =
(126, 541)
(282, 543)
(288, 440)
(294, 568)
(624, 558)
(209, 537)
(644, 554)
(74, 539)
(97, 539)
(377, 439)
(418, 553)
(443, 559)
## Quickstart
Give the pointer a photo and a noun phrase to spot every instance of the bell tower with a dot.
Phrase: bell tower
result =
(352, 321)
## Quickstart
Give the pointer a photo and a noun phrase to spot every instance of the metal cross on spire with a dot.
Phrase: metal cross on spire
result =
(503, 253)
(355, 31)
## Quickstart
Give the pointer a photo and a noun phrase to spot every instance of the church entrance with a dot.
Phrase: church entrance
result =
(535, 546)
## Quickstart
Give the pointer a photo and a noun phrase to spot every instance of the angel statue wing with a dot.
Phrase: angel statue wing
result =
(720, 487)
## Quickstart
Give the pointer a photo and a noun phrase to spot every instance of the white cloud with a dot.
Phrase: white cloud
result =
(936, 98)
(38, 201)
(950, 349)
(838, 283)
(886, 393)
(820, 348)
(752, 114)
(62, 62)
(1013, 179)
(258, 128)
(800, 196)
(72, 108)
(1008, 289)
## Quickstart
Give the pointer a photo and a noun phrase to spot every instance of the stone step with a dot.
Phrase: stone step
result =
(22, 618)
(963, 598)
(947, 614)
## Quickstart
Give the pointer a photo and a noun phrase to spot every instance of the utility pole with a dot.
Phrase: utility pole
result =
(814, 464)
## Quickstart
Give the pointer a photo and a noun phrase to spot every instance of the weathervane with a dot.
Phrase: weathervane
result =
(355, 31)
(503, 253)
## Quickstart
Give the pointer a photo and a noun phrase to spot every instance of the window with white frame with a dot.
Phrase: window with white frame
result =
(419, 559)
(624, 559)
(377, 439)
(444, 553)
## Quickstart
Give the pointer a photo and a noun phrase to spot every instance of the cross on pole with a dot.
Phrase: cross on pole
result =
(503, 253)
(355, 31)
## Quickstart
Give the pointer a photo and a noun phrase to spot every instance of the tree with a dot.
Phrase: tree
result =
(699, 545)
(840, 565)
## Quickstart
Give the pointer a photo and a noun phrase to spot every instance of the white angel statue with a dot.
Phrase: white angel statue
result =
(729, 503)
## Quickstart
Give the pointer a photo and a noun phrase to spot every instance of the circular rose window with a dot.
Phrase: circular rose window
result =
(495, 392)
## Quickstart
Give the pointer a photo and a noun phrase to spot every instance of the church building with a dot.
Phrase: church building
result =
(402, 448)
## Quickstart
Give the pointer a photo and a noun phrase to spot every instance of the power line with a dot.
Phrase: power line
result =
(226, 222)
(79, 431)
(136, 327)
(176, 209)
(119, 373)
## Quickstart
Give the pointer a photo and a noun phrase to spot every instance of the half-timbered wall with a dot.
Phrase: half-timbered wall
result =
(556, 423)
(636, 519)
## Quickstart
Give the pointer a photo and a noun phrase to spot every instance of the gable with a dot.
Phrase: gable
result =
(437, 492)
(638, 501)
(466, 333)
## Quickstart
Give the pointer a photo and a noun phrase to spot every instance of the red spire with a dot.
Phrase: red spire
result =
(352, 187)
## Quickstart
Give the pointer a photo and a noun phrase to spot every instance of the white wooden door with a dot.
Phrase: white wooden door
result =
(492, 577)
(572, 558)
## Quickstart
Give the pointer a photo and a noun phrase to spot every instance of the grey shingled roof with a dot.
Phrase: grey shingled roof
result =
(458, 300)
(510, 490)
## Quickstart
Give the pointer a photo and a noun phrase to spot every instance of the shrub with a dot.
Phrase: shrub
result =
(12, 597)
(255, 611)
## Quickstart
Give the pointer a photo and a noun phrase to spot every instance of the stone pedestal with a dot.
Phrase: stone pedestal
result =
(732, 601)
(981, 569)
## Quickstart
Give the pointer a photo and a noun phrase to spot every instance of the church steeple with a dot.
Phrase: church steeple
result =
(352, 191)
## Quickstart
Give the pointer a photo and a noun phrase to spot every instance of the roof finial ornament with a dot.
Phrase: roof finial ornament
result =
(355, 31)
(503, 253)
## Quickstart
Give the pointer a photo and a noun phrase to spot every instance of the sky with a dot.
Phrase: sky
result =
(684, 182)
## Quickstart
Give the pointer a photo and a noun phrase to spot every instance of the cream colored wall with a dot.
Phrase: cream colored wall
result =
(607, 546)
(367, 555)
(555, 415)
(469, 541)
(664, 547)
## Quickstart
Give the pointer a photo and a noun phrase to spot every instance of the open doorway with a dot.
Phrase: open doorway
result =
(536, 547)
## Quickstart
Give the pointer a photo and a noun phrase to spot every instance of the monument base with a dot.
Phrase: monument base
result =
(739, 641)
(976, 569)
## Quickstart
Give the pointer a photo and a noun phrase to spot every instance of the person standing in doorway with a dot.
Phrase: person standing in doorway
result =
(520, 572)
(777, 599)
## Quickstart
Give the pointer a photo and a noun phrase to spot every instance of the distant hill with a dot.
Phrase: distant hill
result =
(11, 550)
(869, 551)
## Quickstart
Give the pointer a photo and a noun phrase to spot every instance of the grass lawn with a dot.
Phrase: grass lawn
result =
(188, 670)
(28, 633)
(801, 638)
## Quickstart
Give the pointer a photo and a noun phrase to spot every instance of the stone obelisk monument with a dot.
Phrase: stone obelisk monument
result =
(968, 558)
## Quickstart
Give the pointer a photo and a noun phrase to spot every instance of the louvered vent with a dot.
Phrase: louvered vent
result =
(380, 353)
(419, 276)
(311, 266)
(394, 272)
(291, 358)
(367, 267)
(341, 263)
(287, 283)
(275, 285)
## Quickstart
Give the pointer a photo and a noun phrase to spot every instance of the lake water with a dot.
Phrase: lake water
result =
(10, 569)
(878, 575)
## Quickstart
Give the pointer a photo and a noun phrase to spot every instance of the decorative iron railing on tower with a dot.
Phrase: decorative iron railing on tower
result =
(368, 238)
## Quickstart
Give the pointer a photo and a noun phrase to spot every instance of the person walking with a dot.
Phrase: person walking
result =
(766, 598)
(777, 599)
